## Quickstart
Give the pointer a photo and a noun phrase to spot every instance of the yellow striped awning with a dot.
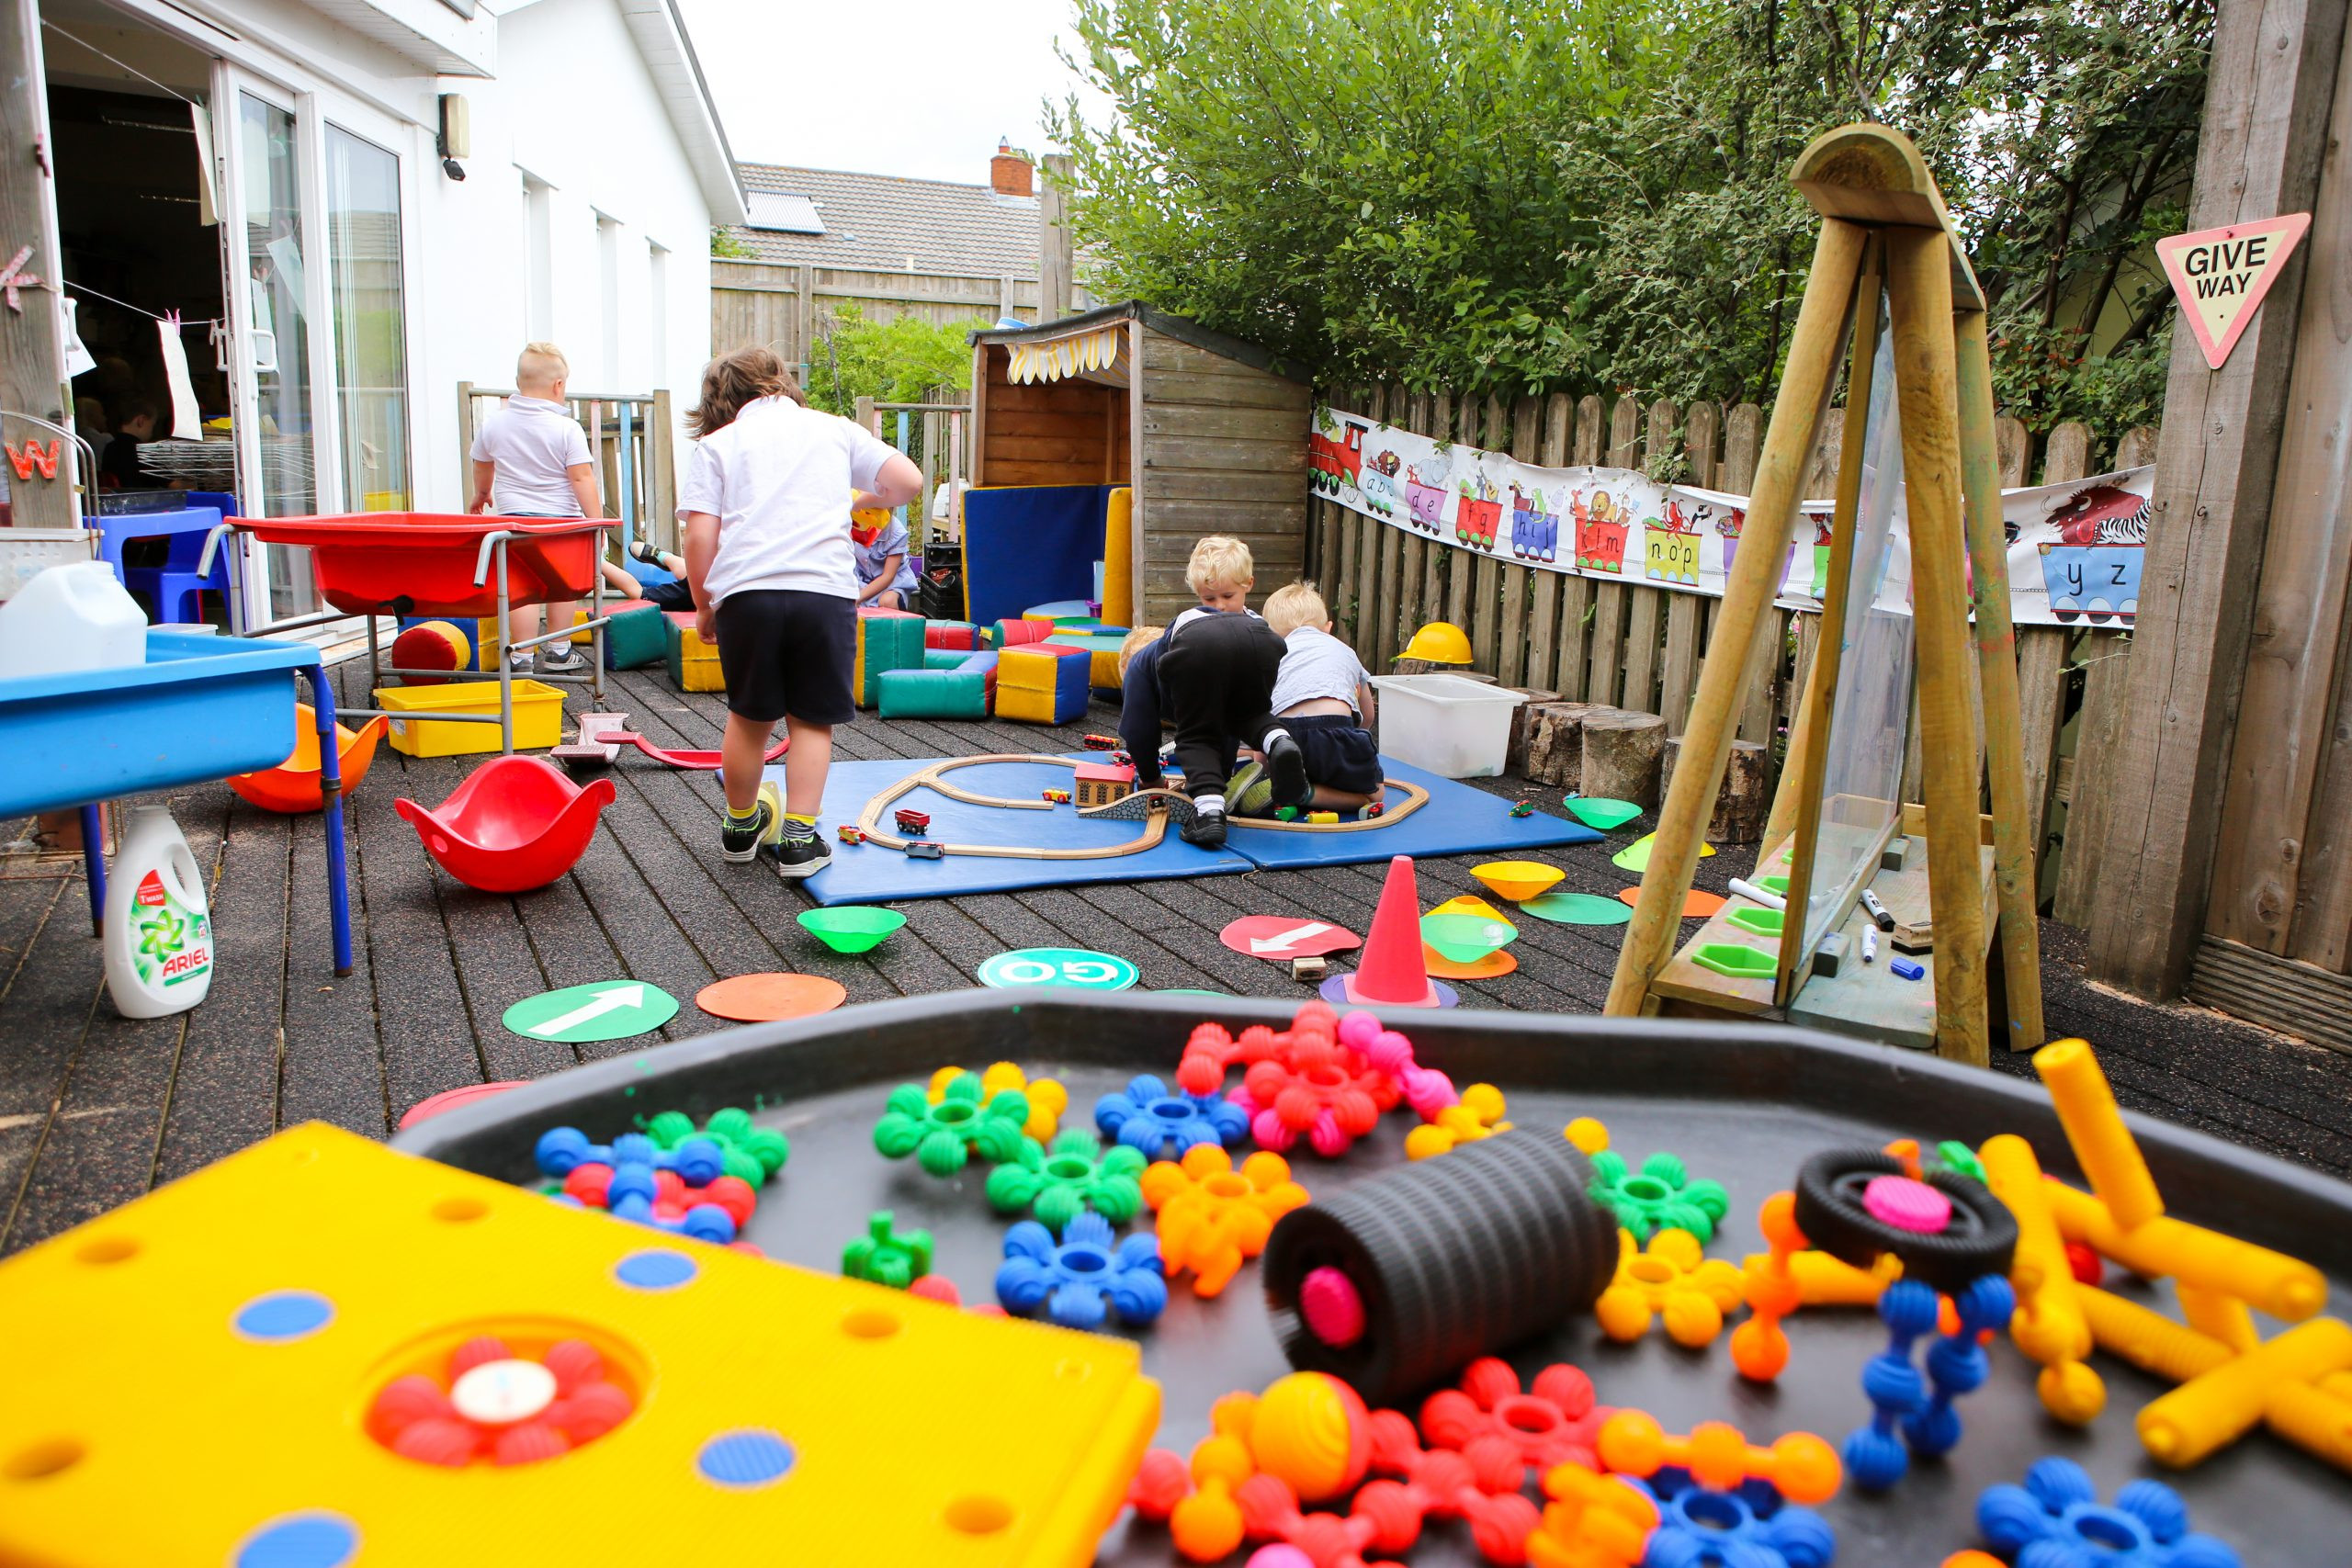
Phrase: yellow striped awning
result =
(1098, 353)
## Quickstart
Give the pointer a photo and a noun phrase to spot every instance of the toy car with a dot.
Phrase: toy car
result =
(1058, 797)
(852, 834)
(1374, 809)
(1523, 809)
(912, 821)
(1102, 743)
(924, 848)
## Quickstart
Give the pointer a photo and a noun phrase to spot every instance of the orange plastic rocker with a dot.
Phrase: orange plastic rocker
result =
(1211, 1217)
(292, 786)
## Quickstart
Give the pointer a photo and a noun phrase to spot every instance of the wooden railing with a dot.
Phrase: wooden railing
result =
(1639, 648)
(630, 439)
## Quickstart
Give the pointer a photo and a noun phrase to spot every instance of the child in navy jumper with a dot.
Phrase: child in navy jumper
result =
(1213, 673)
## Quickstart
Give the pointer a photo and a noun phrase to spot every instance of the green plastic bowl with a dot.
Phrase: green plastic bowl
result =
(1466, 938)
(1763, 922)
(853, 927)
(1738, 960)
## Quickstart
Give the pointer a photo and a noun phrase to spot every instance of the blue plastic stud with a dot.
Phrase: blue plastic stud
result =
(301, 1540)
(655, 1269)
(282, 1315)
(743, 1460)
(1083, 1278)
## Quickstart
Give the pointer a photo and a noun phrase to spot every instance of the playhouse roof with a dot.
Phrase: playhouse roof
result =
(1179, 327)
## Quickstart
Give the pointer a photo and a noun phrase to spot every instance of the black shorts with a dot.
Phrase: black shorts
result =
(1339, 751)
(667, 595)
(784, 650)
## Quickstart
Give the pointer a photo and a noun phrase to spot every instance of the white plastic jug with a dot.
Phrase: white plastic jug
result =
(69, 618)
(159, 928)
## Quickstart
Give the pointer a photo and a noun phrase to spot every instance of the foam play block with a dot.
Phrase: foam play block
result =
(1017, 633)
(1060, 611)
(1043, 684)
(886, 641)
(985, 661)
(635, 637)
(580, 617)
(961, 634)
(933, 694)
(1116, 582)
(277, 1292)
(944, 658)
(469, 632)
(1103, 652)
(1029, 545)
(884, 613)
(693, 663)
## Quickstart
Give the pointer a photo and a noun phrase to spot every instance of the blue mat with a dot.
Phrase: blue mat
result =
(868, 874)
(1457, 820)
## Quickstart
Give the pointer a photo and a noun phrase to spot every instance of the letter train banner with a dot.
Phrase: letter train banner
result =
(2075, 548)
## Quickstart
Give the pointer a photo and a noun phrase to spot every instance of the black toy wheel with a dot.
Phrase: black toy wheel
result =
(1979, 1239)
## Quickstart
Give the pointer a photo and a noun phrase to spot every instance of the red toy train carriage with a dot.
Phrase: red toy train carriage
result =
(1477, 520)
(1333, 465)
(1600, 532)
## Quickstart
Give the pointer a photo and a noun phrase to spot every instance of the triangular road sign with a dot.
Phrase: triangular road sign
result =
(2220, 276)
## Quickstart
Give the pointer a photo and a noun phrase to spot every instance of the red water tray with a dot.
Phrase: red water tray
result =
(371, 561)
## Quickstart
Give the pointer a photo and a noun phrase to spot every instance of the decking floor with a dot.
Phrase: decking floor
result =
(94, 1109)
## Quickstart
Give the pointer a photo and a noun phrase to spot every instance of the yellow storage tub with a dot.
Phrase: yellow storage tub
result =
(538, 717)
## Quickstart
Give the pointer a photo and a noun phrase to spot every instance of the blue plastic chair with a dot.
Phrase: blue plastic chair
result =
(176, 589)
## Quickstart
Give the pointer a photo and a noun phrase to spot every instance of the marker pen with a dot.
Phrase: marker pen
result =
(1877, 910)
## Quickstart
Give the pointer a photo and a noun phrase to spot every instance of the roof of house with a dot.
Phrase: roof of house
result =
(884, 223)
(661, 39)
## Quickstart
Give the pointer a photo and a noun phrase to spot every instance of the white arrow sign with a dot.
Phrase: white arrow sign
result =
(612, 999)
(1283, 941)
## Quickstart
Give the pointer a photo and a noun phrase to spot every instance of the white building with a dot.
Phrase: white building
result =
(357, 279)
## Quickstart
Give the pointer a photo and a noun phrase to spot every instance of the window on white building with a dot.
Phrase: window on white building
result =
(657, 316)
(608, 300)
(539, 239)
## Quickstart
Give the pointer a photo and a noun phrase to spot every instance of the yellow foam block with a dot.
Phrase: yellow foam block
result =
(693, 663)
(167, 1419)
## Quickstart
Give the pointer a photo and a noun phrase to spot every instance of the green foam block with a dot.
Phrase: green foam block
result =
(634, 639)
(933, 694)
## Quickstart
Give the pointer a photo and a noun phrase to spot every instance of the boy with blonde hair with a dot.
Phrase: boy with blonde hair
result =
(1323, 697)
(531, 458)
(1213, 672)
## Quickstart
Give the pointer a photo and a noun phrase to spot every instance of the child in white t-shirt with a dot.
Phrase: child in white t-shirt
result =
(531, 460)
(1323, 696)
(765, 502)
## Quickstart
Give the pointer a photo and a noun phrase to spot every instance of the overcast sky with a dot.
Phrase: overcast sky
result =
(918, 87)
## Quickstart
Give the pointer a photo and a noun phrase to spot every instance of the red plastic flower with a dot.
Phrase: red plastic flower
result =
(1553, 1423)
(501, 1406)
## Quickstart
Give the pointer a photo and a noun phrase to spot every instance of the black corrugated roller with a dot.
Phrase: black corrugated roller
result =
(1395, 1282)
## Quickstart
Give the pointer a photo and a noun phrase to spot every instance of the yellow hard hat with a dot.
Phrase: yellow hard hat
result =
(1439, 642)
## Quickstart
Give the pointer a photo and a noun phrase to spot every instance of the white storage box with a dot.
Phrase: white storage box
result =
(26, 553)
(1454, 727)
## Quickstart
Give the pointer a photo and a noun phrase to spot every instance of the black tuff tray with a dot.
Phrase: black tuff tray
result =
(1743, 1104)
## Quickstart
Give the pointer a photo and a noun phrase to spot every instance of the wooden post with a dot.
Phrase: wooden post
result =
(662, 472)
(1747, 596)
(33, 338)
(1053, 248)
(2272, 77)
(2014, 821)
(804, 320)
(1918, 274)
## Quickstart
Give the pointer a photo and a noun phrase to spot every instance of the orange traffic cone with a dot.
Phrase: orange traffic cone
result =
(1395, 971)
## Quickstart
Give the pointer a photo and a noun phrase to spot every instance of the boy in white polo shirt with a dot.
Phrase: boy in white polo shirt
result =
(531, 458)
(765, 502)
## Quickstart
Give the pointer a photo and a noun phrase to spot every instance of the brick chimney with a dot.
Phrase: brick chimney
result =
(1009, 171)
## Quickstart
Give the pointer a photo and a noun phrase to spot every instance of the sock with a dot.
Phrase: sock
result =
(1266, 742)
(742, 818)
(1208, 803)
(796, 826)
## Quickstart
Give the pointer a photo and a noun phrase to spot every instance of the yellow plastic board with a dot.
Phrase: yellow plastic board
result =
(192, 1374)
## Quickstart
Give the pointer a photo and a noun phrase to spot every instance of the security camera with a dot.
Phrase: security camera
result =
(452, 168)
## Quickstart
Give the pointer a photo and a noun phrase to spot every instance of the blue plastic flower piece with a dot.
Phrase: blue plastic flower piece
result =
(1750, 1527)
(1164, 1122)
(2055, 1521)
(1083, 1278)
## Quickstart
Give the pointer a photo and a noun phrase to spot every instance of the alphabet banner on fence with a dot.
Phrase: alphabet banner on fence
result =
(2075, 548)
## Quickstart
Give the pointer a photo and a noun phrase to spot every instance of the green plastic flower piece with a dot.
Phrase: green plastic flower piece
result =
(943, 1136)
(1661, 1196)
(1075, 1173)
(1959, 1158)
(670, 1129)
(746, 1152)
(882, 1256)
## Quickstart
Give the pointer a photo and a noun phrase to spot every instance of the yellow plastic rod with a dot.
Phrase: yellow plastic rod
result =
(2286, 1288)
(2314, 1420)
(2215, 1408)
(2103, 1145)
(2219, 1316)
(2149, 1340)
(2049, 1324)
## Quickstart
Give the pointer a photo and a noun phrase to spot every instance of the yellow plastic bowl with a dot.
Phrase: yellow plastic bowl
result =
(1517, 880)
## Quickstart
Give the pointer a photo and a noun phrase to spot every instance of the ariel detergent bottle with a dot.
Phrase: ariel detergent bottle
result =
(159, 933)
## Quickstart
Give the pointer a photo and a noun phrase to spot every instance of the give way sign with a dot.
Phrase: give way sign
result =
(1285, 936)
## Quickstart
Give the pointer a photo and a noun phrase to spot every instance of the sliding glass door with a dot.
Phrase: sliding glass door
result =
(370, 329)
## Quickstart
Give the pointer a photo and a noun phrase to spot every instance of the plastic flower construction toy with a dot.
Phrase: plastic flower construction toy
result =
(1489, 1419)
(1084, 1278)
(882, 1256)
(1211, 1217)
(1478, 1114)
(942, 1137)
(1048, 1099)
(1668, 1280)
(2055, 1521)
(1661, 1195)
(1164, 1122)
(1075, 1175)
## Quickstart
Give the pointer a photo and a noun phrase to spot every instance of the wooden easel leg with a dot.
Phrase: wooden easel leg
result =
(2013, 852)
(1919, 281)
(1706, 741)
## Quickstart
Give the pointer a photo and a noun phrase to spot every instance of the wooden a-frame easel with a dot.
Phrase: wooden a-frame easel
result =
(1884, 230)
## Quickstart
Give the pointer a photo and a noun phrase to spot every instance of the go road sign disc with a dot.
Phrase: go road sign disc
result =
(1074, 968)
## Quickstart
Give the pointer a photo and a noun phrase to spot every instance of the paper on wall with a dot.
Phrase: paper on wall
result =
(186, 424)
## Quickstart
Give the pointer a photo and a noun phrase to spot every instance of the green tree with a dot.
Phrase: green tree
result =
(903, 360)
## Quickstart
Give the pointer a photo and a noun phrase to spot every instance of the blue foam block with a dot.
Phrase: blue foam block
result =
(868, 874)
(1025, 544)
(1458, 820)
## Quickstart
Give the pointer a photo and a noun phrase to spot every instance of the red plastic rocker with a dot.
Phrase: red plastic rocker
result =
(292, 786)
(516, 823)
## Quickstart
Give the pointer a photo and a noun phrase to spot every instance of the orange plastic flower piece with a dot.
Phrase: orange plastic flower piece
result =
(1671, 1280)
(1212, 1216)
(1478, 1114)
(1591, 1521)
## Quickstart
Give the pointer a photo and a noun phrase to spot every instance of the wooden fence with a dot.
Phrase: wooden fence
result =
(1638, 647)
(783, 304)
(630, 439)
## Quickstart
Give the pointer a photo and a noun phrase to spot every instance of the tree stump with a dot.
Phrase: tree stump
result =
(1621, 756)
(1519, 716)
(1554, 750)
(1743, 803)
(1430, 667)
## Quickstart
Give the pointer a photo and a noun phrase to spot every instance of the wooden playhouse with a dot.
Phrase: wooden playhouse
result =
(1120, 436)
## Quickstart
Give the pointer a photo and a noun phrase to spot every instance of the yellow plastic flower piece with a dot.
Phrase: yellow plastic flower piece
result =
(1048, 1099)
(1586, 1135)
(1478, 1115)
(1668, 1280)
(1212, 1216)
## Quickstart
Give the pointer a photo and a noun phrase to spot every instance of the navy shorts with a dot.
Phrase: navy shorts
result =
(1339, 751)
(667, 595)
(788, 651)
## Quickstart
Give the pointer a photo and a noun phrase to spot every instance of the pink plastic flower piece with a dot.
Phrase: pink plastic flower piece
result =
(1488, 1417)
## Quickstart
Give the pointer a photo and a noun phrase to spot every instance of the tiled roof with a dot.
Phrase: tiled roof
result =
(883, 224)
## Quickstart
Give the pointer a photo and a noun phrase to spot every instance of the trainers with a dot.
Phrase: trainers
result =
(741, 841)
(1207, 828)
(1287, 766)
(1249, 791)
(796, 858)
(560, 658)
(646, 551)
